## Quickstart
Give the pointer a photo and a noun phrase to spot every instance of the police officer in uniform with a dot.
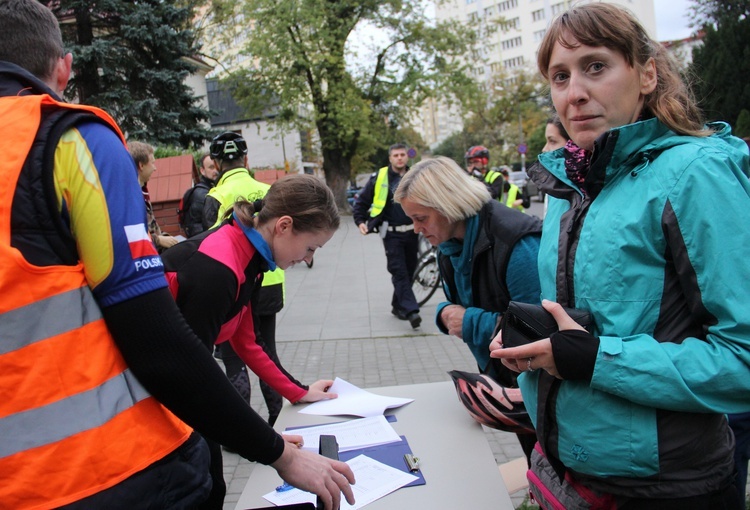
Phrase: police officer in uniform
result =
(375, 211)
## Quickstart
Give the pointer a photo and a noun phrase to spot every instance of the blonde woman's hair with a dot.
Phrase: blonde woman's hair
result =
(305, 198)
(440, 184)
(610, 26)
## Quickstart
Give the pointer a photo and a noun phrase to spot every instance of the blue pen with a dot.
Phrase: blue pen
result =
(284, 487)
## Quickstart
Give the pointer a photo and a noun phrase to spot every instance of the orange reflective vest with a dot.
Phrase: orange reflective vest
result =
(73, 418)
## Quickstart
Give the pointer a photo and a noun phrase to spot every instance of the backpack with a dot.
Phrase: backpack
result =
(184, 206)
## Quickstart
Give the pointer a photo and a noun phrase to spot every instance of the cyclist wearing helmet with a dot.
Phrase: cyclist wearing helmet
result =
(229, 152)
(477, 161)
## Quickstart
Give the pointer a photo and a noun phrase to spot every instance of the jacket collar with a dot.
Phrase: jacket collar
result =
(232, 172)
(617, 151)
(17, 81)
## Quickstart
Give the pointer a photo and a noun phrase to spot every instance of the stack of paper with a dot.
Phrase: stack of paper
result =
(350, 435)
(353, 401)
(374, 480)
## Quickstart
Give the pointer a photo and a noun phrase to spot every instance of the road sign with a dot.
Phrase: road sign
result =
(411, 152)
(522, 148)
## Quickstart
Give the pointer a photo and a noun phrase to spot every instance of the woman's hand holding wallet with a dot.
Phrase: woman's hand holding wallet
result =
(528, 328)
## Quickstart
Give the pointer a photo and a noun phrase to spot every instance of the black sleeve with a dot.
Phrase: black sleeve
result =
(361, 209)
(496, 188)
(210, 212)
(206, 295)
(170, 362)
(525, 198)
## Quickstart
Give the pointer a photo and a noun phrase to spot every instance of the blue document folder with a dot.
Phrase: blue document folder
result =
(391, 454)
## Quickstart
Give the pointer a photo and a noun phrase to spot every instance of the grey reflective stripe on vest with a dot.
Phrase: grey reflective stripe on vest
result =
(60, 313)
(71, 415)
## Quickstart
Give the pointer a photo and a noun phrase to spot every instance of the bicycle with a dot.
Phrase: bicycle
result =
(426, 278)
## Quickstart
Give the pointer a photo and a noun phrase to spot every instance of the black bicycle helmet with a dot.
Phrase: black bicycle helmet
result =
(491, 404)
(228, 146)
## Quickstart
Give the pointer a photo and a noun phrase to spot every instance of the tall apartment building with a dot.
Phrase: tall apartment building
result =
(521, 25)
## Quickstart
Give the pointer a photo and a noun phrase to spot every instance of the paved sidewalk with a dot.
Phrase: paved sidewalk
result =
(337, 323)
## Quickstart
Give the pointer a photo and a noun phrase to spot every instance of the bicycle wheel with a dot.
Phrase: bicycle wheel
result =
(424, 247)
(426, 280)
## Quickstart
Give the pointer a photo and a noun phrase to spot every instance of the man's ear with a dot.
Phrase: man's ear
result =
(63, 69)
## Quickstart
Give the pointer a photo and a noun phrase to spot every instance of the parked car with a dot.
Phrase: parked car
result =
(520, 179)
(351, 194)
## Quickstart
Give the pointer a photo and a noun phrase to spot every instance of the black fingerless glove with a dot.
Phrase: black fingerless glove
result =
(575, 354)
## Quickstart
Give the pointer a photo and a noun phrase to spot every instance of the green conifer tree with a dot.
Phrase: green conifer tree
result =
(131, 59)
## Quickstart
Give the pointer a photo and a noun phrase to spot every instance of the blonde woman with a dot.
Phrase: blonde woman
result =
(487, 256)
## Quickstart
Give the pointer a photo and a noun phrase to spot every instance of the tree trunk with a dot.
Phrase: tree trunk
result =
(87, 79)
(337, 169)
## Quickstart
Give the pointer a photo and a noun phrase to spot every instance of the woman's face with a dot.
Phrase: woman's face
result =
(431, 224)
(554, 138)
(594, 89)
(290, 247)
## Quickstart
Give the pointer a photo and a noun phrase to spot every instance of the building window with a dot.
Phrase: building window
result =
(537, 15)
(510, 24)
(539, 35)
(558, 8)
(511, 43)
(513, 63)
(507, 5)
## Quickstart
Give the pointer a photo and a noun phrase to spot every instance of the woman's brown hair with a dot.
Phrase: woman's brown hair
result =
(305, 198)
(610, 26)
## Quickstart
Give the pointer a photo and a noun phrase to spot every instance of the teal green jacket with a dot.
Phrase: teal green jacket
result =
(661, 258)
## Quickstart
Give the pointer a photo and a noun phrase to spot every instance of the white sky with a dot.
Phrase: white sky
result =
(671, 19)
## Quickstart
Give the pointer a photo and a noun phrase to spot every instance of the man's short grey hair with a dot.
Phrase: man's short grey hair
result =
(440, 184)
(30, 37)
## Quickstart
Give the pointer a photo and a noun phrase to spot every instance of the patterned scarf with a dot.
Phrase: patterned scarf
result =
(577, 164)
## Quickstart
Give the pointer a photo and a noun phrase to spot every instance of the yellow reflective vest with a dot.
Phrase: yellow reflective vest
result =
(380, 193)
(513, 195)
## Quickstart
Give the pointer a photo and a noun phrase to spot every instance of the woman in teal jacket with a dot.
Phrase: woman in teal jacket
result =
(635, 411)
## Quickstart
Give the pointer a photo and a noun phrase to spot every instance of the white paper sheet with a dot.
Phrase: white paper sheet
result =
(350, 435)
(353, 401)
(374, 480)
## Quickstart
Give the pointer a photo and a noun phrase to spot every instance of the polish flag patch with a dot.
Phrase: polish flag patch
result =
(139, 241)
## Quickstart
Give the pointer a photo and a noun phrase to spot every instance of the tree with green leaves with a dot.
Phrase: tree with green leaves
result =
(507, 113)
(305, 53)
(722, 63)
(131, 59)
(742, 129)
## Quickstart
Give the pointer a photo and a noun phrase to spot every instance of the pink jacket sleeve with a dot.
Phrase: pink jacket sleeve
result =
(244, 342)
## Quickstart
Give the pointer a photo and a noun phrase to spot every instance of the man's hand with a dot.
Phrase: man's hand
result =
(363, 228)
(453, 319)
(314, 473)
(296, 440)
(319, 391)
(166, 241)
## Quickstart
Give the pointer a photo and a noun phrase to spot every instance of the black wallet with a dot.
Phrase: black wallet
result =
(523, 323)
